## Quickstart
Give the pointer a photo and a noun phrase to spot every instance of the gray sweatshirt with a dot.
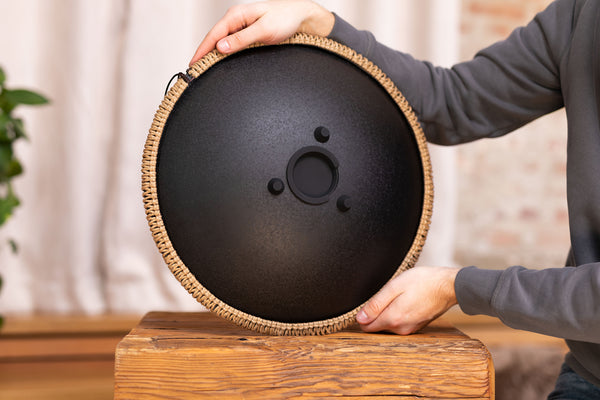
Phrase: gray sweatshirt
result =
(551, 63)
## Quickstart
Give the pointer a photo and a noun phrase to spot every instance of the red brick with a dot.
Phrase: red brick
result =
(504, 238)
(513, 11)
(528, 214)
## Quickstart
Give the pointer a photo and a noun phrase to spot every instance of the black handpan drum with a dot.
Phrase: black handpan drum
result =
(285, 185)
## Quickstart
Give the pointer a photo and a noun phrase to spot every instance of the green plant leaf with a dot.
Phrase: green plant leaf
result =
(6, 159)
(5, 105)
(7, 204)
(19, 128)
(22, 96)
(14, 168)
(11, 129)
(14, 247)
(4, 126)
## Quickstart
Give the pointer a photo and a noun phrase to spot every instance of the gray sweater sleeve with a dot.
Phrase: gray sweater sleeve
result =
(561, 302)
(502, 88)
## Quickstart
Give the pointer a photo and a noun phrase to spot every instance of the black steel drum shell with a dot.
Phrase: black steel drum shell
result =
(278, 255)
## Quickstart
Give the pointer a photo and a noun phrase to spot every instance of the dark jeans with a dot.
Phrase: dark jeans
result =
(571, 386)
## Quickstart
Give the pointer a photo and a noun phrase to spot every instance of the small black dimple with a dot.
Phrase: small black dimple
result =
(276, 186)
(344, 203)
(322, 134)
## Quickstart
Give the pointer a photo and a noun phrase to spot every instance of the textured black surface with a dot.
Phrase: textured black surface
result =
(234, 129)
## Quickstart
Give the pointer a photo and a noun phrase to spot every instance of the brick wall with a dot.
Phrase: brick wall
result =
(511, 190)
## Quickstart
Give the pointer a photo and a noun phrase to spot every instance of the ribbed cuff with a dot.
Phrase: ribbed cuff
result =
(474, 289)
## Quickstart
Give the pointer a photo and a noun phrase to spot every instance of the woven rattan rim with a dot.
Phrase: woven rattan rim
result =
(176, 265)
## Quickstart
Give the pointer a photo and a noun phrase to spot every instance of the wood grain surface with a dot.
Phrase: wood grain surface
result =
(198, 355)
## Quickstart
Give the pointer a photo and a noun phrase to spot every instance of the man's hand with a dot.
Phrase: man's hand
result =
(266, 22)
(410, 301)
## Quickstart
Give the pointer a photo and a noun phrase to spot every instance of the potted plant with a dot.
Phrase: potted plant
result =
(11, 129)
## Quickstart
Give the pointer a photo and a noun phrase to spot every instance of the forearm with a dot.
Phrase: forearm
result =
(501, 89)
(559, 302)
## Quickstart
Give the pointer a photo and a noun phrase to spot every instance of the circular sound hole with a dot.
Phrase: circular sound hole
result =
(312, 174)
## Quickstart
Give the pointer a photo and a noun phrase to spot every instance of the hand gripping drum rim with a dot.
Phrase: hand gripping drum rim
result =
(168, 252)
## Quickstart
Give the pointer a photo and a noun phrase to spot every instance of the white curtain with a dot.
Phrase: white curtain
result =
(84, 242)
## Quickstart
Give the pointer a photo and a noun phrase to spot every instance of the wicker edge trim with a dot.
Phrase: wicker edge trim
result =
(176, 265)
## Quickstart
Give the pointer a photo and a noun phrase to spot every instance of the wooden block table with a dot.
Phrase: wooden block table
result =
(199, 355)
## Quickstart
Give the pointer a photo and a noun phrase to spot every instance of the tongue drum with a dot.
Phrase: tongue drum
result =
(285, 185)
